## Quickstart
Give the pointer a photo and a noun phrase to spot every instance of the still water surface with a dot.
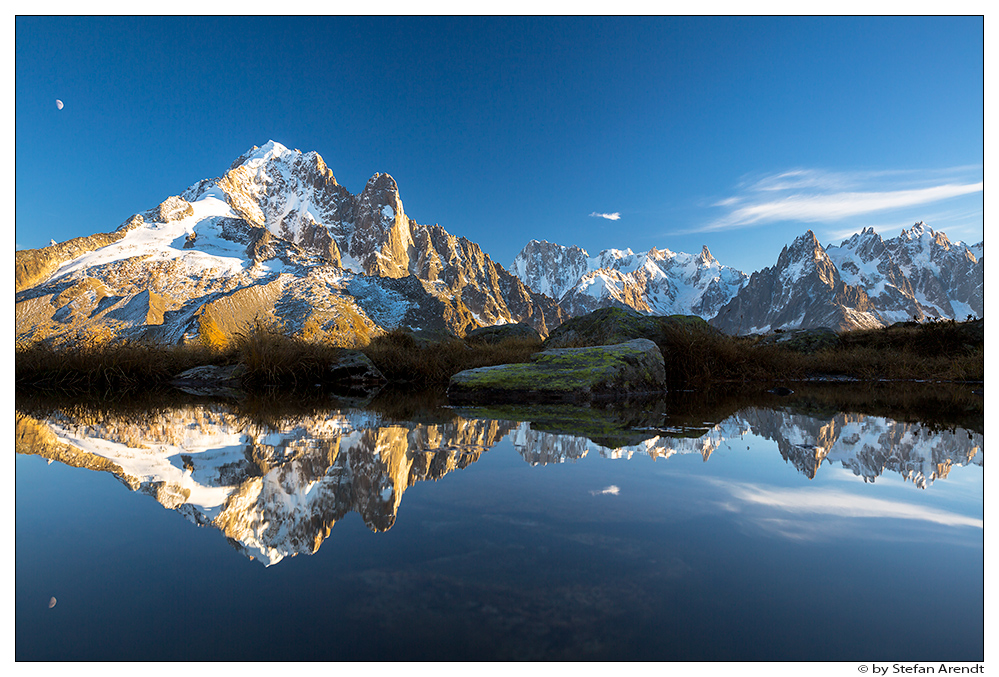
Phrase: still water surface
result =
(779, 529)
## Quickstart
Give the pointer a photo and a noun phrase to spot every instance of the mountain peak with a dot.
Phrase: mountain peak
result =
(380, 182)
(922, 233)
(261, 154)
(806, 245)
(916, 231)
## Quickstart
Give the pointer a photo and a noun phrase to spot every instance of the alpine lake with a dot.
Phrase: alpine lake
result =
(837, 522)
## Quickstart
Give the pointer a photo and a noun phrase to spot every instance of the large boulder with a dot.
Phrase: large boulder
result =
(355, 369)
(607, 326)
(501, 332)
(567, 375)
(212, 380)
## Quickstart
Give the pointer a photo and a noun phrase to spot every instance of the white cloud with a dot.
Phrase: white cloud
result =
(612, 489)
(814, 196)
(613, 217)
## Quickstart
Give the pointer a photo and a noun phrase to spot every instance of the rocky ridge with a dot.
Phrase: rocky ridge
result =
(655, 282)
(864, 283)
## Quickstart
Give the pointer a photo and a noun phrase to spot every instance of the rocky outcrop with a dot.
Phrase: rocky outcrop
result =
(211, 380)
(615, 325)
(567, 374)
(354, 369)
(803, 340)
(502, 332)
(173, 208)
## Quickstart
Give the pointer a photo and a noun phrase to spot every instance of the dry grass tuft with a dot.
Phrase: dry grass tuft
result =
(403, 358)
(105, 367)
(274, 359)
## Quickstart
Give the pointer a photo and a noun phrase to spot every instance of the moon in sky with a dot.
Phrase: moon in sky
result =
(58, 104)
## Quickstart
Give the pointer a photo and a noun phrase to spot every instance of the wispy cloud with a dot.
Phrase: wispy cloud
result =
(612, 489)
(613, 216)
(841, 504)
(814, 196)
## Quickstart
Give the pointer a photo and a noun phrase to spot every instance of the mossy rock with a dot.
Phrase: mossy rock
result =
(607, 326)
(501, 332)
(567, 375)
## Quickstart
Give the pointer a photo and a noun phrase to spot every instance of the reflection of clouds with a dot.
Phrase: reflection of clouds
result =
(841, 504)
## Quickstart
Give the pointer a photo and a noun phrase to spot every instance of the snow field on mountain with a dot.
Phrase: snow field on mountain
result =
(158, 241)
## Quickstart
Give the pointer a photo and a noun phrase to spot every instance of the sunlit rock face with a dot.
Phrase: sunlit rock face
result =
(864, 282)
(275, 238)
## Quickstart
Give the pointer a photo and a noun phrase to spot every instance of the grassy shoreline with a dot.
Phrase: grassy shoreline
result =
(695, 356)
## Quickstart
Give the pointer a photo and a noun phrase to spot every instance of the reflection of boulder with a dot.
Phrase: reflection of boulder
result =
(613, 426)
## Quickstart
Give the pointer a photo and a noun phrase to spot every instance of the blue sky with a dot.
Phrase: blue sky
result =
(737, 133)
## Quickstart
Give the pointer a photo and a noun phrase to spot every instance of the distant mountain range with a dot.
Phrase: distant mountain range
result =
(865, 282)
(656, 282)
(277, 239)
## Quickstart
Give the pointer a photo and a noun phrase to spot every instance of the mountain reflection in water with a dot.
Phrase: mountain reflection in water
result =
(275, 484)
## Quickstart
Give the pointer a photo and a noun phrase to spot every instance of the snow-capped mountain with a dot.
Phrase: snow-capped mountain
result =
(865, 282)
(656, 282)
(277, 238)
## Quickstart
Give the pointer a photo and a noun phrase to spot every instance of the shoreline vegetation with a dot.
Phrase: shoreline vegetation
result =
(696, 357)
